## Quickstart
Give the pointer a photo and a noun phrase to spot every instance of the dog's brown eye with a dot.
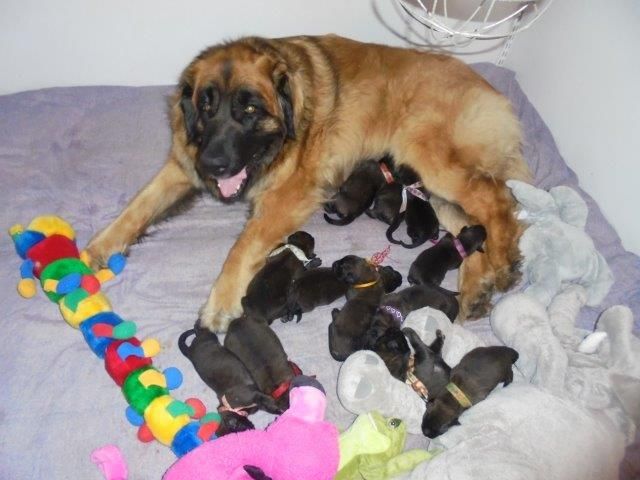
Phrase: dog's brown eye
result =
(249, 109)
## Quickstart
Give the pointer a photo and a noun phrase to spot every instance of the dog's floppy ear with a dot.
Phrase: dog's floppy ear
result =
(188, 111)
(283, 89)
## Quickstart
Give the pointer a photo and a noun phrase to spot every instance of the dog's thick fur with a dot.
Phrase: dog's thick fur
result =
(327, 103)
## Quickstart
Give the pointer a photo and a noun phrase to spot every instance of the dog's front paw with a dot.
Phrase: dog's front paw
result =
(100, 249)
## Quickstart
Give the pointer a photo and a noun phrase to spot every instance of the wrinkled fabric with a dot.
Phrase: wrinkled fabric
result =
(83, 153)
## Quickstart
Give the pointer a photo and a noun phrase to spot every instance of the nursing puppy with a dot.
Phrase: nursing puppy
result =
(357, 192)
(266, 297)
(432, 265)
(350, 324)
(386, 204)
(420, 217)
(226, 375)
(260, 350)
(471, 381)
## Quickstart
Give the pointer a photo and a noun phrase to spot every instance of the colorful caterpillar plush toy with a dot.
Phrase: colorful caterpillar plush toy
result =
(50, 254)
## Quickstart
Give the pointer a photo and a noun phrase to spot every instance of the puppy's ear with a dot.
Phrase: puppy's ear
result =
(283, 90)
(189, 111)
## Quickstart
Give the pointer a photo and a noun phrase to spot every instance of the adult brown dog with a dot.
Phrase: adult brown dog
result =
(283, 122)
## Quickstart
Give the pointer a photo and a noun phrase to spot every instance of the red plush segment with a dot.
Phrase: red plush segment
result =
(90, 284)
(51, 249)
(119, 369)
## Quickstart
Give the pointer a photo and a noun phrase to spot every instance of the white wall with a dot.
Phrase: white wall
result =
(580, 66)
(47, 43)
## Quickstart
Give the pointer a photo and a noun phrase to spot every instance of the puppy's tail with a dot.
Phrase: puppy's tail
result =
(393, 227)
(416, 243)
(182, 342)
(340, 221)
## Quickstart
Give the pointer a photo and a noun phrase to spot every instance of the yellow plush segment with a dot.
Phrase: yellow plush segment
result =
(27, 287)
(150, 347)
(52, 225)
(152, 377)
(162, 425)
(15, 229)
(50, 285)
(85, 258)
(104, 275)
(88, 307)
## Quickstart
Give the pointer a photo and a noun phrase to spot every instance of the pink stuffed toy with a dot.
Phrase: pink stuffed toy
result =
(299, 445)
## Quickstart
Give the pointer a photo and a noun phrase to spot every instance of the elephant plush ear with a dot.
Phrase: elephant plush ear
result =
(572, 208)
(534, 202)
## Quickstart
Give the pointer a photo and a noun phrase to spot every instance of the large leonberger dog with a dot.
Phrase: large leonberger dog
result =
(282, 122)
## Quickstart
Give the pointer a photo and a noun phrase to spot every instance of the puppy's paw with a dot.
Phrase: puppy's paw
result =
(440, 335)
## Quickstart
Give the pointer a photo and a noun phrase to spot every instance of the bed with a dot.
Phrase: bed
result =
(82, 153)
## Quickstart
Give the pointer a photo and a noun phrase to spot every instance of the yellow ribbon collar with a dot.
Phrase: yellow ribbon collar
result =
(459, 395)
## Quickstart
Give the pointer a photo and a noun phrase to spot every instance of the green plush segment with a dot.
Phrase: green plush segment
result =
(368, 445)
(71, 300)
(211, 417)
(176, 408)
(124, 330)
(60, 269)
(137, 395)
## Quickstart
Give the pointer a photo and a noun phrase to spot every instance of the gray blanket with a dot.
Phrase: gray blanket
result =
(82, 153)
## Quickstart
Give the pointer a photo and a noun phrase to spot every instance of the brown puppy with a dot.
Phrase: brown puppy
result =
(226, 375)
(357, 192)
(321, 286)
(420, 217)
(433, 264)
(266, 297)
(471, 381)
(259, 348)
(347, 331)
(283, 121)
(312, 289)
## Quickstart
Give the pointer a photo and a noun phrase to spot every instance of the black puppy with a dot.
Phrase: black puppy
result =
(426, 371)
(350, 324)
(321, 286)
(266, 296)
(357, 192)
(432, 265)
(471, 381)
(428, 365)
(226, 375)
(311, 289)
(400, 304)
(386, 203)
(260, 350)
(419, 215)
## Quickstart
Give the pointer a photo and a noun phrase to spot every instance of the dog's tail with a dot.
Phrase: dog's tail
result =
(340, 221)
(182, 342)
(393, 227)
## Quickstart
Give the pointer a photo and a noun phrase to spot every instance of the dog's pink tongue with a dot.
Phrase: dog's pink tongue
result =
(229, 186)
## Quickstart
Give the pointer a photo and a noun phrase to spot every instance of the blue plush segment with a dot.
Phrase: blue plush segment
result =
(116, 263)
(25, 240)
(133, 417)
(98, 345)
(26, 269)
(69, 283)
(186, 439)
(173, 377)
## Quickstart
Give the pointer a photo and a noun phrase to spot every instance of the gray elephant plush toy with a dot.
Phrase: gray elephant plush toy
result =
(555, 248)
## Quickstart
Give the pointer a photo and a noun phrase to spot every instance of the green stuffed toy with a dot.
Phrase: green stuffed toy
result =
(371, 449)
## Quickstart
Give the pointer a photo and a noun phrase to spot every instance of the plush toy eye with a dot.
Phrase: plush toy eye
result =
(249, 109)
(395, 422)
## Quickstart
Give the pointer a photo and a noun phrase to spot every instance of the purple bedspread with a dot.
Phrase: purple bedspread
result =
(82, 153)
